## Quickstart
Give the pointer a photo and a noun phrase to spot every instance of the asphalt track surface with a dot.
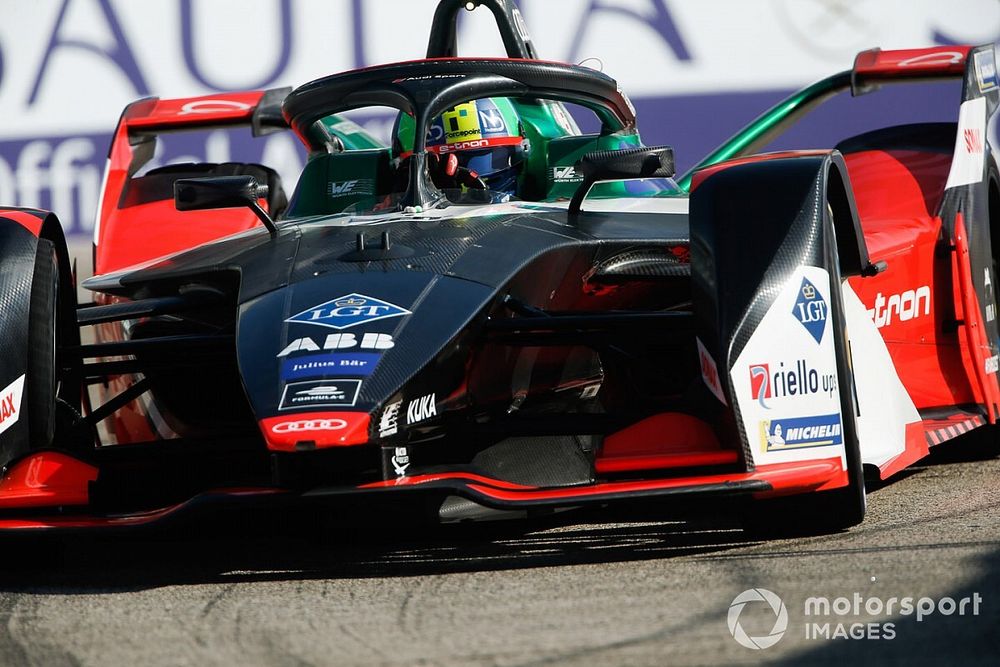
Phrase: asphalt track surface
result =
(631, 585)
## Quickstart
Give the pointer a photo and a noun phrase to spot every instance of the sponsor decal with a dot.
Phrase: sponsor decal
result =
(936, 58)
(421, 408)
(986, 70)
(463, 145)
(309, 425)
(361, 186)
(760, 383)
(348, 311)
(319, 365)
(799, 380)
(491, 120)
(967, 165)
(320, 393)
(212, 106)
(710, 372)
(906, 306)
(428, 77)
(800, 432)
(973, 140)
(810, 310)
(389, 424)
(340, 341)
(400, 461)
(992, 364)
(566, 175)
(10, 403)
(991, 307)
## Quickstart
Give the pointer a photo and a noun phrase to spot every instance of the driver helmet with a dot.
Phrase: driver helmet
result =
(486, 136)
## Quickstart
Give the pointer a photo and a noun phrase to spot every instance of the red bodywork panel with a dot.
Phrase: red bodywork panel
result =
(898, 194)
(136, 234)
(938, 61)
(32, 223)
(322, 429)
(666, 440)
(46, 479)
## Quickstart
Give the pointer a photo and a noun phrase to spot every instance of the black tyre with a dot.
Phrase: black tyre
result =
(40, 383)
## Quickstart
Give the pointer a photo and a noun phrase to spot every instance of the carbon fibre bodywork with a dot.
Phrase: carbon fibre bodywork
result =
(390, 339)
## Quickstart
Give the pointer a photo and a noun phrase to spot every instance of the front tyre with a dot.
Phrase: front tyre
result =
(40, 383)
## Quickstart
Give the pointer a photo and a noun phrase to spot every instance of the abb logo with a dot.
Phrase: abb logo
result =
(973, 140)
(309, 425)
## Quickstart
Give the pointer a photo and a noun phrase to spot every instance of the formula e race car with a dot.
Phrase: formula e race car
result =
(410, 325)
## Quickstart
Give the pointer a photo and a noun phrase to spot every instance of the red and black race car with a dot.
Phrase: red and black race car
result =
(395, 329)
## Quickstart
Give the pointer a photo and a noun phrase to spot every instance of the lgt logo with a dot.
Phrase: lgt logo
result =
(348, 311)
(810, 309)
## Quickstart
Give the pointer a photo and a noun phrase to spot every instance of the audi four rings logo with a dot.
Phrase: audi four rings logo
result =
(310, 425)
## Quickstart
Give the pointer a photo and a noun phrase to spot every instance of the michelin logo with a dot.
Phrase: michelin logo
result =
(800, 432)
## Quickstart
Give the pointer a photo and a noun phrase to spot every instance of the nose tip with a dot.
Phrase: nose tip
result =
(315, 430)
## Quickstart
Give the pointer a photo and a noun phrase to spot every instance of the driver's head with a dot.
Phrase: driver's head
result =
(485, 135)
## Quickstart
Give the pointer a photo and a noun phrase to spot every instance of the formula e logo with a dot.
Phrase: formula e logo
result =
(810, 309)
(309, 425)
(348, 311)
(760, 383)
(325, 393)
(421, 408)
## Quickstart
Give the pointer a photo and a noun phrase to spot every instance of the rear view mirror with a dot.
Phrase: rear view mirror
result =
(620, 165)
(197, 194)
